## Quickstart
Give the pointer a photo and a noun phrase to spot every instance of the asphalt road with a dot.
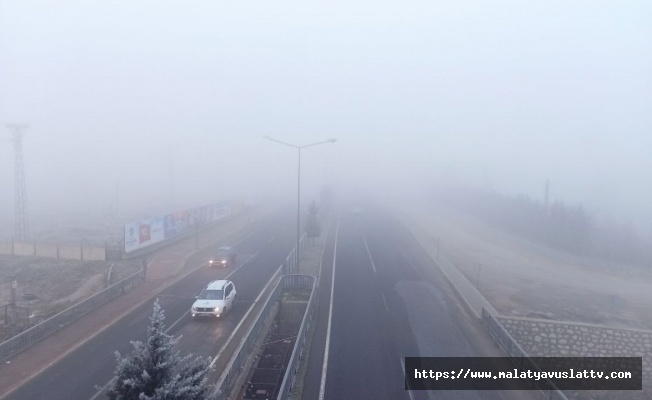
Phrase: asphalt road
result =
(389, 302)
(79, 375)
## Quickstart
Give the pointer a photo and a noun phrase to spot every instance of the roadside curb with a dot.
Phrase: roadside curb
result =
(461, 285)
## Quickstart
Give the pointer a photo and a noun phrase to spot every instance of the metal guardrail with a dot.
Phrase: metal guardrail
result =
(38, 332)
(291, 261)
(236, 365)
(519, 356)
(297, 352)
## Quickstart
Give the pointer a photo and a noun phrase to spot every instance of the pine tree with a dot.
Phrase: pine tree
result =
(189, 384)
(147, 373)
(313, 228)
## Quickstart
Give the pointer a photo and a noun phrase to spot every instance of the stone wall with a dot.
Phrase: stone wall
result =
(544, 338)
(39, 248)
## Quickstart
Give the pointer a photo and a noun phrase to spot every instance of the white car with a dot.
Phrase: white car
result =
(217, 298)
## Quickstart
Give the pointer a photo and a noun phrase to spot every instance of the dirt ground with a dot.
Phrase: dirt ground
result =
(47, 286)
(522, 278)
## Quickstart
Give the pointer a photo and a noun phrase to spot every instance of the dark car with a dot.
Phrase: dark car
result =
(223, 257)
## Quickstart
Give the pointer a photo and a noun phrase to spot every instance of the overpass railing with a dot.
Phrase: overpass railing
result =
(297, 352)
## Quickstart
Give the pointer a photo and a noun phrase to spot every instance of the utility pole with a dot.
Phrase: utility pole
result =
(21, 227)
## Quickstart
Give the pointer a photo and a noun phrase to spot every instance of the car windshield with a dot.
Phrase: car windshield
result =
(211, 295)
(222, 252)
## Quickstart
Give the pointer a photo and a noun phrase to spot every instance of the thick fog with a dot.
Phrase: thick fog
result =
(144, 107)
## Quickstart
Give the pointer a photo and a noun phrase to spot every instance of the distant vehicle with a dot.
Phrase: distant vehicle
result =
(217, 298)
(223, 257)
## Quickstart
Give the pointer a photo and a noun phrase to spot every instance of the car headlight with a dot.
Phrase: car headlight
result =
(216, 309)
(194, 308)
(223, 261)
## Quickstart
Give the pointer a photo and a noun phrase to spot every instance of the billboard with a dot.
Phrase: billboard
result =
(143, 233)
(176, 223)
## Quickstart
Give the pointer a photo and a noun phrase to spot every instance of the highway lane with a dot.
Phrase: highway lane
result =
(316, 367)
(78, 375)
(390, 302)
(363, 359)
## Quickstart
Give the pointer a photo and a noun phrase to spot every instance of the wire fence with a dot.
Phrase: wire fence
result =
(38, 332)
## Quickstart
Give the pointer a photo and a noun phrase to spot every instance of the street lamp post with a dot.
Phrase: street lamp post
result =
(332, 140)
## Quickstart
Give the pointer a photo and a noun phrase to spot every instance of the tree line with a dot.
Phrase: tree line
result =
(560, 225)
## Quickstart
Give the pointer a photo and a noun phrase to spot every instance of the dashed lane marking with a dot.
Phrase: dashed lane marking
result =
(324, 370)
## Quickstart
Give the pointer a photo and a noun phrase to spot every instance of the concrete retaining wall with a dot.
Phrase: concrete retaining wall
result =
(543, 338)
(94, 253)
(6, 247)
(72, 251)
(23, 248)
(46, 250)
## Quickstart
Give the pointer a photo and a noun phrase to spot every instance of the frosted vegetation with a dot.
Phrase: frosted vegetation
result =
(155, 371)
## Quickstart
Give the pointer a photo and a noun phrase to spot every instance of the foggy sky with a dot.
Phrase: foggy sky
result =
(502, 94)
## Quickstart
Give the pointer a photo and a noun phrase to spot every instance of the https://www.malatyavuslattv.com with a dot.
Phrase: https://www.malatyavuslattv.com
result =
(498, 373)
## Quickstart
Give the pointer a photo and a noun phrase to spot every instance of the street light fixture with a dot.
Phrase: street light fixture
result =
(331, 140)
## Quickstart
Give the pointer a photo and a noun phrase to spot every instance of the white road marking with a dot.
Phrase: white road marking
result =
(103, 389)
(385, 302)
(272, 239)
(409, 391)
(324, 369)
(219, 353)
(240, 266)
(368, 252)
(284, 228)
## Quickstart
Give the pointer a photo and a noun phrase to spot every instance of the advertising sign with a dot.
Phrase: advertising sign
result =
(146, 232)
(132, 238)
(143, 233)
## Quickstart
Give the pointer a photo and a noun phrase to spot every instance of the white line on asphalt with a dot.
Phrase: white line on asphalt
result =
(219, 353)
(409, 391)
(103, 389)
(324, 369)
(272, 239)
(284, 228)
(368, 252)
(240, 266)
(385, 302)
